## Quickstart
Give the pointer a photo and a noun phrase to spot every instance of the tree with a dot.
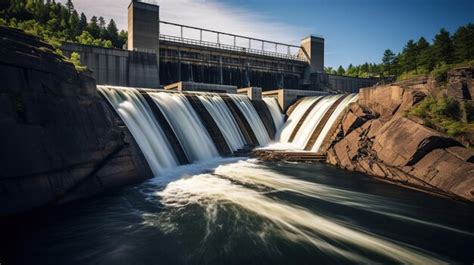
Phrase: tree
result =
(74, 25)
(424, 58)
(112, 33)
(93, 27)
(388, 61)
(443, 47)
(409, 58)
(69, 6)
(463, 42)
(83, 22)
(123, 37)
(340, 70)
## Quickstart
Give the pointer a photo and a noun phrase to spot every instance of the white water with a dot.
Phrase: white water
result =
(274, 107)
(334, 116)
(247, 109)
(187, 126)
(228, 185)
(137, 115)
(283, 135)
(221, 114)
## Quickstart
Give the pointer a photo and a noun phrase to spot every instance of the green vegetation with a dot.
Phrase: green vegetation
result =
(445, 114)
(56, 23)
(420, 57)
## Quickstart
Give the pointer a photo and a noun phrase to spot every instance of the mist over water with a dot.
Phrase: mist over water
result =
(240, 211)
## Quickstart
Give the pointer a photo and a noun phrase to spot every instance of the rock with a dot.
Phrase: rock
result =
(447, 172)
(60, 140)
(382, 100)
(402, 142)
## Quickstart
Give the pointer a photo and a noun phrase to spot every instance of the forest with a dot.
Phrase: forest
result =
(56, 23)
(419, 57)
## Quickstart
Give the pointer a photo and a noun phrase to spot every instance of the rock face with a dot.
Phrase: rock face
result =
(59, 139)
(374, 137)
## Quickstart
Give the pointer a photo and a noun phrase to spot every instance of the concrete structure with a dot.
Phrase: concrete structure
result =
(143, 26)
(229, 60)
(192, 86)
(286, 97)
(254, 93)
(312, 48)
(118, 67)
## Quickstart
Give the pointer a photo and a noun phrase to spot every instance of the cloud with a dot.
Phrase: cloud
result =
(208, 14)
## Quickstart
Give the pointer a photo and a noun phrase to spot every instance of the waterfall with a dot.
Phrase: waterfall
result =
(247, 109)
(186, 124)
(311, 122)
(283, 135)
(274, 107)
(221, 114)
(136, 114)
(314, 117)
(334, 116)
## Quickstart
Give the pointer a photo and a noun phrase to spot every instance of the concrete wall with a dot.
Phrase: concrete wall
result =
(312, 48)
(286, 97)
(254, 93)
(340, 84)
(118, 67)
(143, 26)
(192, 86)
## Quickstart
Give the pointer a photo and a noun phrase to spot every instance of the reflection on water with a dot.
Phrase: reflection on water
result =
(253, 213)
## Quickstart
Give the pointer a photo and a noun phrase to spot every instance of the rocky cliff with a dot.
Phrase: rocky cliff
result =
(377, 136)
(59, 139)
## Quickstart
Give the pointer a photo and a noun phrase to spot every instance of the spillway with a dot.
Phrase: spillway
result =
(188, 127)
(221, 114)
(278, 117)
(247, 109)
(137, 116)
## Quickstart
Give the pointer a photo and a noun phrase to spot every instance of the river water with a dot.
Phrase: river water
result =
(240, 211)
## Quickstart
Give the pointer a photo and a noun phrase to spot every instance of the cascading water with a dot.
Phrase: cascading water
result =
(248, 110)
(136, 114)
(314, 117)
(283, 135)
(186, 124)
(334, 116)
(278, 117)
(221, 114)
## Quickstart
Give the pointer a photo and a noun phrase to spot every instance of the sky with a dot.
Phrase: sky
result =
(355, 31)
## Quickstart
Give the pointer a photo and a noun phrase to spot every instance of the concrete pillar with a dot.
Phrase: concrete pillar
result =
(144, 29)
(312, 48)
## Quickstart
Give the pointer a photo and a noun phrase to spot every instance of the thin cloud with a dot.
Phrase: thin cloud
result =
(200, 13)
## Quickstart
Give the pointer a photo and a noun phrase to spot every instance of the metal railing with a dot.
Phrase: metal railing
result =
(218, 44)
(229, 47)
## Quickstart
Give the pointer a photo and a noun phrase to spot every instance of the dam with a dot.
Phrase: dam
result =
(161, 157)
(160, 53)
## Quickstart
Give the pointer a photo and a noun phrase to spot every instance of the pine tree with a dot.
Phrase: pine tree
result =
(463, 42)
(340, 70)
(112, 33)
(443, 47)
(83, 22)
(424, 58)
(388, 61)
(93, 28)
(409, 60)
(69, 6)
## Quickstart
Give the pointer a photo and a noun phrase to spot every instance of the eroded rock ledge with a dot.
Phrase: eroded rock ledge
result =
(376, 138)
(59, 139)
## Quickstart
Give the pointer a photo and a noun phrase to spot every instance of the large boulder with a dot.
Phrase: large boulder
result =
(403, 142)
(59, 139)
(390, 146)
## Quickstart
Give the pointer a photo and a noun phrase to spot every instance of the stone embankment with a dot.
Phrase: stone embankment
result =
(59, 139)
(377, 137)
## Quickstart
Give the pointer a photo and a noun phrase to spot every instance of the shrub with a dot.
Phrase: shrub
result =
(440, 73)
(446, 107)
(469, 109)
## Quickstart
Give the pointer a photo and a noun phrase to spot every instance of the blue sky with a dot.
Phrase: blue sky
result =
(355, 31)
